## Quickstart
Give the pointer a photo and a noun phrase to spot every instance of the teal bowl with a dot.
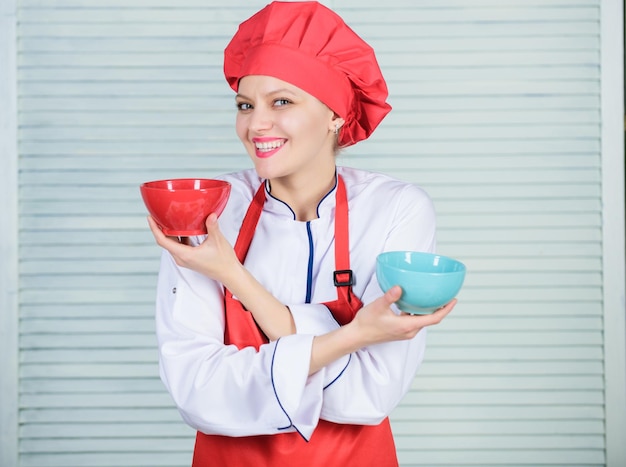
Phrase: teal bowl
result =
(428, 281)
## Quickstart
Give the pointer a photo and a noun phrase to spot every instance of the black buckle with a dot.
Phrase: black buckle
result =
(339, 283)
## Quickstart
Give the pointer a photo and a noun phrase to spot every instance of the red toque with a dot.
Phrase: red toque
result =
(308, 45)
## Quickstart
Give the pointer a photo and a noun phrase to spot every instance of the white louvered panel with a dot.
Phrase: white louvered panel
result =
(496, 114)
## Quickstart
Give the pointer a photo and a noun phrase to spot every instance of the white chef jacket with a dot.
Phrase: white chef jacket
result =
(219, 389)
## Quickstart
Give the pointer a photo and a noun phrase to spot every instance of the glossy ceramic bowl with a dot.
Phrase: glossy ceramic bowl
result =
(180, 206)
(428, 281)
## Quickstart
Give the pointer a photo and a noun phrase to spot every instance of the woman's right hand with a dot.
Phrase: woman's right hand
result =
(214, 257)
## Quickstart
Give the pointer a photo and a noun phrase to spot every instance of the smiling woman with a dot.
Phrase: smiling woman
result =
(507, 112)
(284, 350)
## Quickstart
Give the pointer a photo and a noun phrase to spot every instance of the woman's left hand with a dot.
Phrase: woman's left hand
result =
(214, 257)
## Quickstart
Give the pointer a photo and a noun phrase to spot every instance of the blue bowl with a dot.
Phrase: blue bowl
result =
(428, 281)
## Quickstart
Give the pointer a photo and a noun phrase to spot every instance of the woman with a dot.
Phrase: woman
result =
(266, 348)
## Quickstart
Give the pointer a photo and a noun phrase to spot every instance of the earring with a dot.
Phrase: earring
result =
(336, 128)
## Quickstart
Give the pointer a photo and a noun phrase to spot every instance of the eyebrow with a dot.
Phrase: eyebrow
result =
(271, 93)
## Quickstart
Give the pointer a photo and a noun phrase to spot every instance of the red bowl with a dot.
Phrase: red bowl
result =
(180, 206)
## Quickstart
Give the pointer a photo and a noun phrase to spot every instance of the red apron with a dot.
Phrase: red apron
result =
(331, 444)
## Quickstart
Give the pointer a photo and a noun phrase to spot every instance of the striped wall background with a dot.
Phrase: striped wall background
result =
(496, 113)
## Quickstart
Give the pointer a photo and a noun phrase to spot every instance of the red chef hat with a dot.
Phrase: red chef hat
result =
(308, 45)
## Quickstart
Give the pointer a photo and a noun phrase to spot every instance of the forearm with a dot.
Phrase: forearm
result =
(371, 325)
(271, 315)
(215, 258)
(374, 324)
(331, 346)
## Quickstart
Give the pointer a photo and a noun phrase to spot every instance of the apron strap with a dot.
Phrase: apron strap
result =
(248, 227)
(343, 277)
(250, 221)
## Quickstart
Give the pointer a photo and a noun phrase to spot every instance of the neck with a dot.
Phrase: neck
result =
(304, 195)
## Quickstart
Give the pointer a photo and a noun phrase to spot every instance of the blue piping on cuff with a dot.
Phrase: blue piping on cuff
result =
(291, 425)
(340, 373)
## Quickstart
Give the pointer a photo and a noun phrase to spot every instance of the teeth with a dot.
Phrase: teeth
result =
(269, 145)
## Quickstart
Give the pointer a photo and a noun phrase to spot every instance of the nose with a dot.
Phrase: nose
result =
(260, 119)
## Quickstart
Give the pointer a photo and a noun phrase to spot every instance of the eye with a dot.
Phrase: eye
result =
(243, 106)
(281, 102)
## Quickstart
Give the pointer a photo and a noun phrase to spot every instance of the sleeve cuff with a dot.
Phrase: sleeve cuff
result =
(299, 396)
(316, 319)
(313, 319)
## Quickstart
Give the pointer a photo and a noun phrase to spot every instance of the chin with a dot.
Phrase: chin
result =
(265, 172)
